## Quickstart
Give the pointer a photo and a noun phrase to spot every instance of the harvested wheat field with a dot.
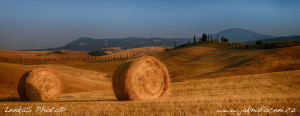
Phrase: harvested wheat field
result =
(14, 53)
(201, 97)
(204, 81)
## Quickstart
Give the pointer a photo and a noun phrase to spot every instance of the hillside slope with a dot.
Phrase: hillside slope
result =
(277, 39)
(205, 62)
(202, 61)
(183, 64)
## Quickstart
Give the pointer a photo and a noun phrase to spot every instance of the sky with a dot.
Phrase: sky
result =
(37, 24)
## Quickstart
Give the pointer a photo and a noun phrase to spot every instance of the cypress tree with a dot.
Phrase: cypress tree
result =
(194, 39)
(204, 37)
(208, 36)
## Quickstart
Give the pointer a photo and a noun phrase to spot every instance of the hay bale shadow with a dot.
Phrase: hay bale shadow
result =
(21, 87)
(10, 98)
(37, 94)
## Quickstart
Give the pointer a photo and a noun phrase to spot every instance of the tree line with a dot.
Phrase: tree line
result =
(209, 40)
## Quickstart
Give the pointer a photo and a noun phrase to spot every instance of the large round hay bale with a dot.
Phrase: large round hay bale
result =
(144, 78)
(42, 84)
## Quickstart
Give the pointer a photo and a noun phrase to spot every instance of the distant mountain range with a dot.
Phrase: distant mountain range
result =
(233, 35)
(277, 39)
(241, 35)
(88, 44)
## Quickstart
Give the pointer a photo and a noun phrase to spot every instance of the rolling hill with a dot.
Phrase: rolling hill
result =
(88, 44)
(278, 39)
(205, 62)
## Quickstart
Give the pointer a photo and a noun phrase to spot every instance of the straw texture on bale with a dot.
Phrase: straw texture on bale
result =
(41, 84)
(144, 78)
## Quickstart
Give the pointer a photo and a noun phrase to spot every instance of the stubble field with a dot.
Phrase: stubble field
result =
(205, 81)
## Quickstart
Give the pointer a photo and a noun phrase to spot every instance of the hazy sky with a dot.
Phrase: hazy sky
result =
(29, 24)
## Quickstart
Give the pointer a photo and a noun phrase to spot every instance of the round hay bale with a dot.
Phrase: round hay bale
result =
(144, 78)
(42, 84)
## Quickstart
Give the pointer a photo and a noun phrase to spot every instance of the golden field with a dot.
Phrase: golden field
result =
(204, 80)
